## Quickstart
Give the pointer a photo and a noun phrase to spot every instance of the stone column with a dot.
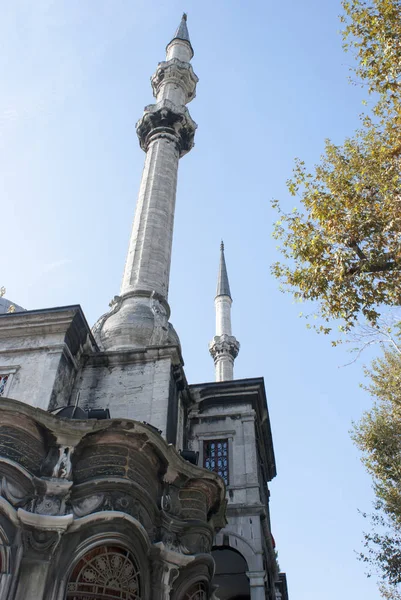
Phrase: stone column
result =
(41, 535)
(257, 584)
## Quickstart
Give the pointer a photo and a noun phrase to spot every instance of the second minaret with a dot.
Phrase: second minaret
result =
(224, 347)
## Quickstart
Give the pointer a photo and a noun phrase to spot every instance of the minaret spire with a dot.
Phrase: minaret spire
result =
(182, 30)
(224, 347)
(223, 287)
(139, 316)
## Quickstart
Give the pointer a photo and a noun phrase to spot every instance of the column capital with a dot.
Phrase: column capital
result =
(256, 578)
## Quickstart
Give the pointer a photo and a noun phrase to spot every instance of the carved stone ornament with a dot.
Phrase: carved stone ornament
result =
(224, 345)
(49, 505)
(40, 541)
(160, 330)
(177, 72)
(114, 501)
(170, 501)
(63, 467)
(15, 494)
(165, 119)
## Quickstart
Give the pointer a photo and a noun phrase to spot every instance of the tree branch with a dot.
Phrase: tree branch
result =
(364, 266)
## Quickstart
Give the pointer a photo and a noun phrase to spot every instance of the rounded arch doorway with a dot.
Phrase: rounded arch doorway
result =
(230, 574)
(105, 573)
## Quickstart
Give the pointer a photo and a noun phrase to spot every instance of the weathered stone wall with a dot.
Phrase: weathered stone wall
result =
(134, 390)
(236, 423)
(42, 351)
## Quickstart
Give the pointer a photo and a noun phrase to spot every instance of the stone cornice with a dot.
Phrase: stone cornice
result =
(136, 355)
(68, 320)
(72, 432)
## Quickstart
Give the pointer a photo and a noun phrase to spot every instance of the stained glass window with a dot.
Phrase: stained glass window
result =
(197, 592)
(105, 573)
(215, 457)
(3, 383)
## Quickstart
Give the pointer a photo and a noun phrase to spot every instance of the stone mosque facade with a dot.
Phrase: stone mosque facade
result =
(118, 479)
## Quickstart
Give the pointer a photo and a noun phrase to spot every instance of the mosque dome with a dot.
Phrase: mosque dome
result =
(5, 305)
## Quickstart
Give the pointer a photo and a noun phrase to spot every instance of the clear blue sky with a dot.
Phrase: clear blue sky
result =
(273, 84)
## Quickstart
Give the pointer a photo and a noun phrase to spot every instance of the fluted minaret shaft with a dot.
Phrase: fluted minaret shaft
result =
(224, 347)
(139, 316)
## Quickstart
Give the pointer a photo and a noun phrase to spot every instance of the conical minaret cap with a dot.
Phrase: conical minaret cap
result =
(223, 286)
(182, 31)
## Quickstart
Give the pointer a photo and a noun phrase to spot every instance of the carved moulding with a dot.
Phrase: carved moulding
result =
(186, 537)
(41, 534)
(198, 572)
(116, 494)
(110, 468)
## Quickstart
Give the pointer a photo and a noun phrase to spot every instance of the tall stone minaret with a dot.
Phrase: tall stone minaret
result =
(224, 347)
(139, 315)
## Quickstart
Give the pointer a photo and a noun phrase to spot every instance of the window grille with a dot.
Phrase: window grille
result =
(215, 457)
(196, 592)
(3, 383)
(105, 573)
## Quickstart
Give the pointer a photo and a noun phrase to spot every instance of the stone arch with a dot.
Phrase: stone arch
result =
(235, 541)
(230, 577)
(193, 582)
(108, 570)
(112, 537)
(10, 549)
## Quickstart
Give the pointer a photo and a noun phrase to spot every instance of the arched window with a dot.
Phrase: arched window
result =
(105, 573)
(196, 592)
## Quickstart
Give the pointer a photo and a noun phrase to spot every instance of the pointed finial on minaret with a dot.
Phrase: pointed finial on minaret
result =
(223, 287)
(182, 34)
(182, 30)
(224, 347)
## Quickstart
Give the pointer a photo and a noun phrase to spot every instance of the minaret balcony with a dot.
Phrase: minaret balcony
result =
(175, 72)
(224, 345)
(166, 120)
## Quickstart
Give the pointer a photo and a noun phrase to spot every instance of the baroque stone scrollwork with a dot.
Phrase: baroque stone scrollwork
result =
(170, 501)
(119, 467)
(63, 467)
(40, 541)
(115, 501)
(16, 495)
